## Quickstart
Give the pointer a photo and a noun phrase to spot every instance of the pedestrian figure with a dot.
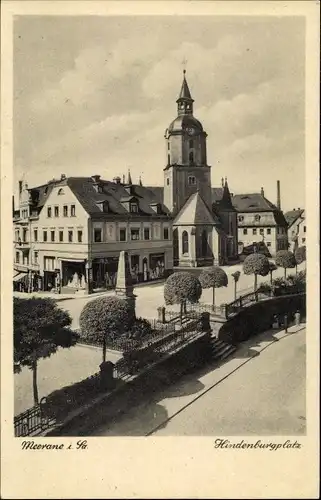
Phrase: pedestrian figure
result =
(276, 323)
(286, 323)
(297, 318)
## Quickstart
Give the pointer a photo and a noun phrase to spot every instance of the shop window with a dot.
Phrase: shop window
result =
(254, 231)
(244, 231)
(45, 236)
(73, 210)
(61, 236)
(52, 236)
(49, 212)
(134, 234)
(79, 236)
(97, 235)
(191, 180)
(56, 211)
(65, 210)
(70, 236)
(185, 242)
(35, 235)
(268, 231)
(122, 235)
(146, 234)
(166, 233)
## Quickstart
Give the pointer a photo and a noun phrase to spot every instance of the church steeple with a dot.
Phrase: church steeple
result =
(185, 101)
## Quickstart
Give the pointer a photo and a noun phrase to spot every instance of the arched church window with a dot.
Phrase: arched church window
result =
(204, 243)
(168, 146)
(168, 159)
(185, 242)
(191, 143)
(191, 157)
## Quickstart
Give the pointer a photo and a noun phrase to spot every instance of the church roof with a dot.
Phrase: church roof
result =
(182, 122)
(185, 92)
(194, 212)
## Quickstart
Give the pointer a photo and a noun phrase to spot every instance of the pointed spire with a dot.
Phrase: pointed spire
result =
(226, 185)
(129, 178)
(185, 92)
(140, 181)
(222, 182)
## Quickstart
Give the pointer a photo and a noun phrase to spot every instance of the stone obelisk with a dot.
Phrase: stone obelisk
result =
(124, 284)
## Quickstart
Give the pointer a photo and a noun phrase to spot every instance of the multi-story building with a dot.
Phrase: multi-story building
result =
(69, 233)
(297, 227)
(261, 224)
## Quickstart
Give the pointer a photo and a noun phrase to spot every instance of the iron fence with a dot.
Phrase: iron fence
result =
(33, 421)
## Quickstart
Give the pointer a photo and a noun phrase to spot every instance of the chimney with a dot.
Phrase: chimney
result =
(20, 187)
(278, 199)
(63, 177)
(262, 191)
(124, 179)
(117, 180)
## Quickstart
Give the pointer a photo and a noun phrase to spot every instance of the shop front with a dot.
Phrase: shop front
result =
(73, 275)
(105, 272)
(156, 266)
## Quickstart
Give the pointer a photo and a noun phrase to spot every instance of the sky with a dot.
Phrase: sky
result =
(94, 95)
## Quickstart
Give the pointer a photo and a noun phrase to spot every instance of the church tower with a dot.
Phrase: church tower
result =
(186, 171)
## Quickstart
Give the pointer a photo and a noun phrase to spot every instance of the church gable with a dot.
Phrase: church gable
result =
(194, 212)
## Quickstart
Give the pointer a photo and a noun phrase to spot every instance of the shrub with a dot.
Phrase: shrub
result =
(264, 288)
(256, 264)
(105, 318)
(285, 259)
(214, 277)
(300, 256)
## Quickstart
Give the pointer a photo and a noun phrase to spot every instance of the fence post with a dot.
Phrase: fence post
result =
(161, 314)
(240, 300)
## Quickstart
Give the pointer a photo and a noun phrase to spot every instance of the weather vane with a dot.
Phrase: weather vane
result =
(184, 63)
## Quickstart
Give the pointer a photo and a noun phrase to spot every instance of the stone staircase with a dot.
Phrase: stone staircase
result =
(221, 350)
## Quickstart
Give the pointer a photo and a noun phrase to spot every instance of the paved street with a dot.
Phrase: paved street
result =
(150, 297)
(264, 396)
(65, 367)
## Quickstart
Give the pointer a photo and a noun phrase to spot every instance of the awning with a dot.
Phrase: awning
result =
(19, 276)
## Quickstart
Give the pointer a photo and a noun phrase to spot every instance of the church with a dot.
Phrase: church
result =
(204, 219)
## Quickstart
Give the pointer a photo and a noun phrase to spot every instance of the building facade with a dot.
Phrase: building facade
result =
(68, 234)
(297, 228)
(261, 224)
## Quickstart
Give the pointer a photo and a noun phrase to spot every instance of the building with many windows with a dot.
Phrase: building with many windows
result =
(69, 233)
(297, 228)
(261, 224)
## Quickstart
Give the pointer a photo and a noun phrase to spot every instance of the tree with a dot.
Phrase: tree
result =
(105, 318)
(236, 277)
(272, 268)
(300, 256)
(39, 329)
(180, 288)
(257, 264)
(215, 277)
(285, 259)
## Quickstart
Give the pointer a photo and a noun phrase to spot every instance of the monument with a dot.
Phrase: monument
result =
(124, 284)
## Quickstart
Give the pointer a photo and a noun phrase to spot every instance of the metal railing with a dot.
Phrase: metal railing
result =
(33, 421)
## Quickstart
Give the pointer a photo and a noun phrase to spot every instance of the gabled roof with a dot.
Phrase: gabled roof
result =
(195, 211)
(293, 215)
(111, 192)
(252, 202)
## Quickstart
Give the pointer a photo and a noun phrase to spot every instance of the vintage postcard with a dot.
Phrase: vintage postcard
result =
(159, 249)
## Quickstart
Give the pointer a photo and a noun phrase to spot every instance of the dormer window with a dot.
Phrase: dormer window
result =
(133, 207)
(98, 188)
(156, 207)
